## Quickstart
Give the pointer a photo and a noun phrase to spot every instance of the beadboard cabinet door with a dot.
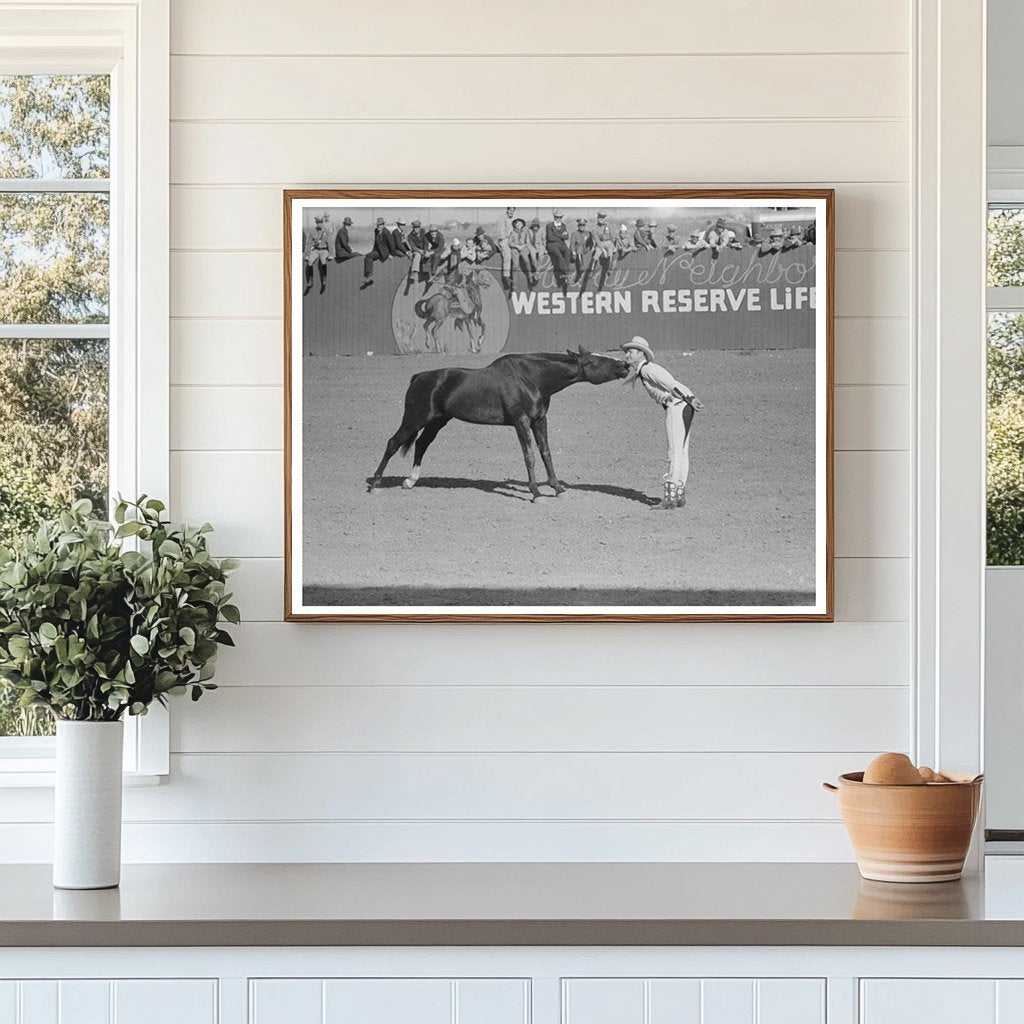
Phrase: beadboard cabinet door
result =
(941, 1001)
(693, 1001)
(388, 1001)
(101, 1001)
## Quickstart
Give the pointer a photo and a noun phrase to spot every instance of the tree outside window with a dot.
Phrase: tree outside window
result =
(54, 308)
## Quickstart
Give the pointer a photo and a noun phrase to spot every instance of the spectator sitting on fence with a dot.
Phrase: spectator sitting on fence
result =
(581, 243)
(318, 253)
(342, 245)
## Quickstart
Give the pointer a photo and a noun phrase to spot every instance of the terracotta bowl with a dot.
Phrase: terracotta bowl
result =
(909, 833)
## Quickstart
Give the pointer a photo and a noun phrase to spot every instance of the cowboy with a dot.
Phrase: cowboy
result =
(536, 235)
(451, 259)
(641, 240)
(719, 236)
(603, 239)
(652, 241)
(679, 403)
(434, 248)
(581, 242)
(399, 244)
(318, 252)
(556, 239)
(671, 242)
(505, 227)
(695, 242)
(480, 247)
(519, 245)
(342, 246)
(417, 243)
(795, 239)
(381, 251)
(623, 243)
(774, 242)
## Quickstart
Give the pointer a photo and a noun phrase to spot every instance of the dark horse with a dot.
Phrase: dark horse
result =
(512, 391)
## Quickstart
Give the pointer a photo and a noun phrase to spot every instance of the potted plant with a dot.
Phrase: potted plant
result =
(95, 624)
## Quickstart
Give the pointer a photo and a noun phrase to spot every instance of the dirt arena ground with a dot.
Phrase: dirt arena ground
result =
(467, 534)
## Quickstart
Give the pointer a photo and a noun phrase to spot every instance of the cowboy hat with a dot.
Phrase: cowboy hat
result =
(639, 344)
(518, 220)
(347, 220)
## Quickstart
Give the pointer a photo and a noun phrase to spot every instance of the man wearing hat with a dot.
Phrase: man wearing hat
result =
(604, 242)
(318, 252)
(679, 403)
(381, 252)
(480, 247)
(624, 241)
(434, 249)
(342, 246)
(641, 239)
(719, 236)
(671, 242)
(399, 243)
(581, 242)
(505, 223)
(652, 240)
(775, 241)
(417, 245)
(519, 246)
(536, 236)
(556, 241)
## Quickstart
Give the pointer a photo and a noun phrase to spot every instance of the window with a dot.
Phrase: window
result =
(1005, 477)
(84, 124)
(54, 309)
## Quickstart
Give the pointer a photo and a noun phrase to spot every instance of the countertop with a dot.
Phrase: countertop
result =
(561, 904)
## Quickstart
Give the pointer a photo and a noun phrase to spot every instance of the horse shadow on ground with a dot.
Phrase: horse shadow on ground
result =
(514, 490)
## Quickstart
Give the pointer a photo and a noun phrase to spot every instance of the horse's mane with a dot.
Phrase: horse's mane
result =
(551, 357)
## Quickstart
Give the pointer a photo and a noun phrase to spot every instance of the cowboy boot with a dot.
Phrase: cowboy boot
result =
(669, 496)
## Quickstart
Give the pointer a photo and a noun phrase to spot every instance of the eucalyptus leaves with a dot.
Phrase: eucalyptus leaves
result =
(92, 630)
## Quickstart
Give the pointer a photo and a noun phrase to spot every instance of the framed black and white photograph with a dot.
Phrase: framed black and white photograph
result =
(558, 405)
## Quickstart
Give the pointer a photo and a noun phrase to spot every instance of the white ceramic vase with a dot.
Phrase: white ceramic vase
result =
(87, 806)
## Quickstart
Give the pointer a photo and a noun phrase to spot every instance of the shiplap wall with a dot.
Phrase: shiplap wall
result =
(688, 741)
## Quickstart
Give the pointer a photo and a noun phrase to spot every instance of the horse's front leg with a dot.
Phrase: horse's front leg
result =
(523, 432)
(540, 433)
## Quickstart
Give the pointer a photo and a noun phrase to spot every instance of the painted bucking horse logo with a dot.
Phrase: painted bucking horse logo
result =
(461, 300)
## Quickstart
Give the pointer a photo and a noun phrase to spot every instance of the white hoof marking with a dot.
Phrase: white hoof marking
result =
(409, 482)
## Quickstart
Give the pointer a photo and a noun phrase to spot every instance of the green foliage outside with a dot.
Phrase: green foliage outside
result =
(54, 255)
(1005, 480)
(90, 630)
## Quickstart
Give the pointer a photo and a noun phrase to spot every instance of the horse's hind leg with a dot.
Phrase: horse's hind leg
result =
(423, 442)
(401, 438)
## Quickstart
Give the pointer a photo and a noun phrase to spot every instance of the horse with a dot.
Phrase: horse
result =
(447, 303)
(514, 390)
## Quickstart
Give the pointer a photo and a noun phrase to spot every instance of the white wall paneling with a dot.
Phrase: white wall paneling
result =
(949, 469)
(231, 88)
(733, 26)
(258, 153)
(703, 741)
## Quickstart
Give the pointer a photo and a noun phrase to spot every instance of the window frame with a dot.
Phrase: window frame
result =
(130, 41)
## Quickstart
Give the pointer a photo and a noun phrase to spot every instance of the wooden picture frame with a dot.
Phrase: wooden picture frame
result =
(774, 205)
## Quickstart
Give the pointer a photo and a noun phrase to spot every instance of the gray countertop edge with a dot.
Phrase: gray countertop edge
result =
(53, 934)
